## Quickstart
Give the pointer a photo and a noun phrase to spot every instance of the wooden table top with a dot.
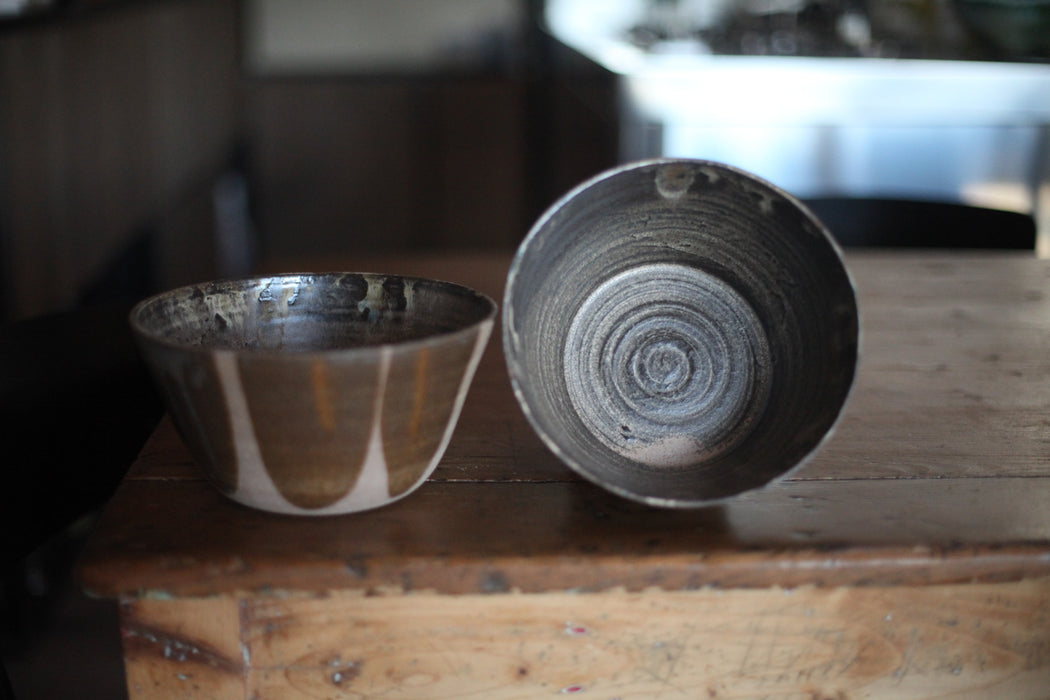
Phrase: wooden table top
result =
(938, 472)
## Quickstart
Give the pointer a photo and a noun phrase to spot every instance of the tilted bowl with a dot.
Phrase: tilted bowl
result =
(315, 393)
(680, 331)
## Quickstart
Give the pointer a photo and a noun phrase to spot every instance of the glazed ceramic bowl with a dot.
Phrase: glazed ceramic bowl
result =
(315, 394)
(680, 331)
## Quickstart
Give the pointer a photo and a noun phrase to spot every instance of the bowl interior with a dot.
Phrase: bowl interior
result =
(680, 331)
(310, 312)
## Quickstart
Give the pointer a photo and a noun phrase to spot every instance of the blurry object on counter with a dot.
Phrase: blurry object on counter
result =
(1015, 28)
(930, 29)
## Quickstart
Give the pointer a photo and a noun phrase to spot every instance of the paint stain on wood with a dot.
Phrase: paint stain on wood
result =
(146, 641)
(345, 672)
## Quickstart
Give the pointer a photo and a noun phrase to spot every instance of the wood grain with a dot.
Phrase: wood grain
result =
(191, 648)
(910, 558)
(937, 641)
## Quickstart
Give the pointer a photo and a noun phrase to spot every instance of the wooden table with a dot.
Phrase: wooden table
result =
(909, 559)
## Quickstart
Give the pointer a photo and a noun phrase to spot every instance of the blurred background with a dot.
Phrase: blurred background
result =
(146, 144)
(149, 143)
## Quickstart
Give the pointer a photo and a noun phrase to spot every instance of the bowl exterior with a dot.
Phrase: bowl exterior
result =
(318, 433)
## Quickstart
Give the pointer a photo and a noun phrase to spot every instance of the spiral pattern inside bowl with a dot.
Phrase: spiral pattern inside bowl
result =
(664, 363)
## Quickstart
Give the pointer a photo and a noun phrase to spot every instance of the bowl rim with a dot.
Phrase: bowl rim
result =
(518, 375)
(431, 339)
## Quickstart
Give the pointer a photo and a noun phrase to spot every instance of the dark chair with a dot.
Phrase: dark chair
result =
(906, 223)
(76, 406)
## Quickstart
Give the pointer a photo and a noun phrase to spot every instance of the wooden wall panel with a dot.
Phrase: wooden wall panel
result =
(106, 123)
(333, 164)
(387, 163)
(120, 120)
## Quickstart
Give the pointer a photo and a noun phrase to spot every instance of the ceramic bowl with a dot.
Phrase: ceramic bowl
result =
(315, 394)
(680, 331)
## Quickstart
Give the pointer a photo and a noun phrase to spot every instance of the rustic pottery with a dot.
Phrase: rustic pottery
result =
(680, 331)
(315, 393)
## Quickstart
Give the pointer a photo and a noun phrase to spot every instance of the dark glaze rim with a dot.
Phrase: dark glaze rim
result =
(491, 310)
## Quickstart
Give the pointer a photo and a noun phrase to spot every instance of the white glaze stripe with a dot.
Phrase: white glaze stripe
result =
(373, 483)
(254, 485)
(359, 498)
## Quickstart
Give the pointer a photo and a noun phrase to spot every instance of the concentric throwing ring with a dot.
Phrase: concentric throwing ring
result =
(664, 363)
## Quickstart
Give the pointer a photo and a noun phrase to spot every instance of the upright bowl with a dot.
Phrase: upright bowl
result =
(680, 331)
(315, 394)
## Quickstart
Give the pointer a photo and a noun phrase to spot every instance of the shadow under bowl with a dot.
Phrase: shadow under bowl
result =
(680, 331)
(315, 393)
